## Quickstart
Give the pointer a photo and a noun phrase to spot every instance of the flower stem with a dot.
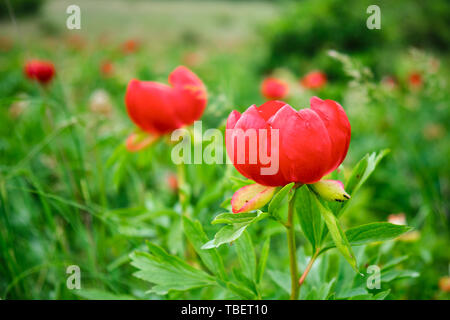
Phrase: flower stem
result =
(181, 177)
(308, 268)
(292, 250)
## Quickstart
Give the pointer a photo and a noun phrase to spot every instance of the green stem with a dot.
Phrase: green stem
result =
(292, 250)
(181, 177)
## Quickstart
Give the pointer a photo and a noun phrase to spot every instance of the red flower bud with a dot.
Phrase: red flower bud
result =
(273, 88)
(314, 80)
(312, 142)
(159, 108)
(39, 70)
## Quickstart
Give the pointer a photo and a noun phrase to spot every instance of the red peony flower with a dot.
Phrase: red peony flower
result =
(172, 182)
(312, 142)
(159, 108)
(130, 46)
(314, 80)
(273, 88)
(415, 80)
(106, 68)
(39, 70)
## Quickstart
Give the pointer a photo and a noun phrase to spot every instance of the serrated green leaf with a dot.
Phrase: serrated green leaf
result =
(247, 256)
(167, 272)
(197, 237)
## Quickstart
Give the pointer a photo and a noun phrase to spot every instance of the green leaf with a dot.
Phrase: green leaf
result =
(392, 274)
(237, 223)
(197, 237)
(309, 215)
(241, 291)
(247, 256)
(282, 279)
(232, 218)
(363, 170)
(263, 260)
(274, 205)
(382, 295)
(227, 234)
(372, 232)
(338, 235)
(376, 231)
(167, 272)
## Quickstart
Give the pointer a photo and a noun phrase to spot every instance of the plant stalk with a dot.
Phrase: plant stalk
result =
(292, 250)
(308, 268)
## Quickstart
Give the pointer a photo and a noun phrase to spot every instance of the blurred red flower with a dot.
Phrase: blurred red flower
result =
(415, 80)
(312, 142)
(444, 284)
(130, 46)
(389, 82)
(76, 42)
(39, 70)
(106, 68)
(172, 182)
(158, 108)
(273, 88)
(314, 80)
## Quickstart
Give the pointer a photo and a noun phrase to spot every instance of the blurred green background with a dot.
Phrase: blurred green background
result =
(71, 194)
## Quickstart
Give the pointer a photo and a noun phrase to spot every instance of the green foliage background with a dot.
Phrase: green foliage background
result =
(70, 194)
